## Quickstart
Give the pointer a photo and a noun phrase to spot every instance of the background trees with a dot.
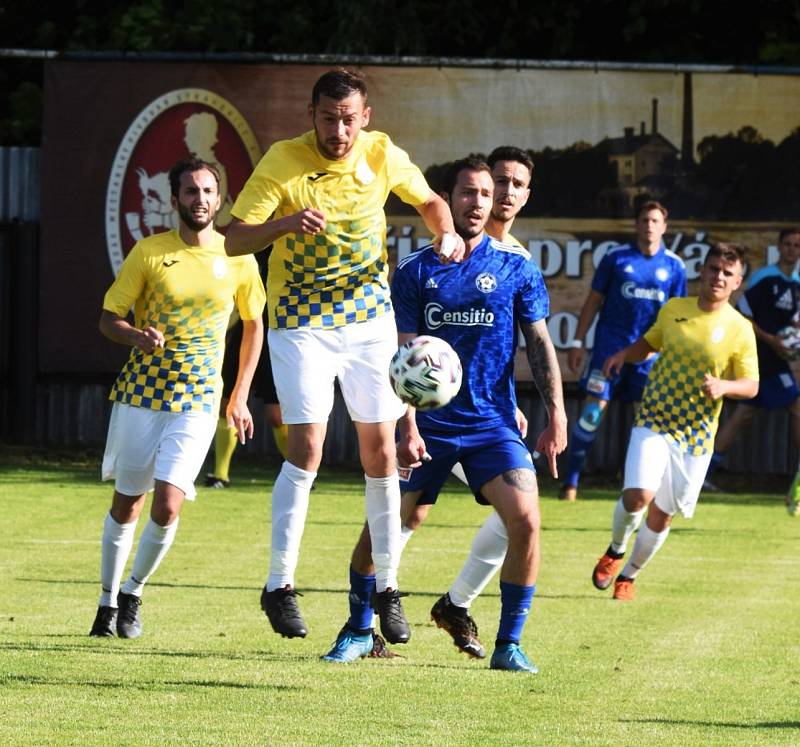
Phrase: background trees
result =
(672, 31)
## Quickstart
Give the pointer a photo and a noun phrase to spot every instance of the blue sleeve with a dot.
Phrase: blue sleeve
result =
(603, 275)
(532, 302)
(405, 297)
(679, 286)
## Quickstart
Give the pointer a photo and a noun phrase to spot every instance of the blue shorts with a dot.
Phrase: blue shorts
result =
(627, 386)
(775, 392)
(483, 455)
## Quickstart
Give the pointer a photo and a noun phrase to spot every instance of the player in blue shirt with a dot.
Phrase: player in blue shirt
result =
(631, 283)
(477, 306)
(771, 301)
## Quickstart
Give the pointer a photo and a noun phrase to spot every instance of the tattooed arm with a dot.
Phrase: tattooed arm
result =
(547, 377)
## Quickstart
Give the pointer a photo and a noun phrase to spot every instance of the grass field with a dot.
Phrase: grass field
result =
(708, 655)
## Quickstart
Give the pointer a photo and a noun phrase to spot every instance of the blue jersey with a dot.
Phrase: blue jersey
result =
(771, 300)
(634, 288)
(476, 305)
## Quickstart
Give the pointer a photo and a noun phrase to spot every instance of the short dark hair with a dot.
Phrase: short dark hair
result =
(189, 165)
(646, 207)
(338, 84)
(788, 232)
(727, 252)
(471, 163)
(510, 153)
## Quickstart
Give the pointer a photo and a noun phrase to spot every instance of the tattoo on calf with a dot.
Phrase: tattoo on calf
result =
(521, 479)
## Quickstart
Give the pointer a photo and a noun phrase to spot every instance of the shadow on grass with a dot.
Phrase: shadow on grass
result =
(83, 645)
(151, 684)
(723, 724)
(301, 589)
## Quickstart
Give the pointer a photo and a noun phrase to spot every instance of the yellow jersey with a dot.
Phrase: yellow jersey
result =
(338, 276)
(188, 293)
(691, 343)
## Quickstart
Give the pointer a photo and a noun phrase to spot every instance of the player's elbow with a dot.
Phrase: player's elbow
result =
(105, 324)
(750, 389)
(231, 242)
(236, 239)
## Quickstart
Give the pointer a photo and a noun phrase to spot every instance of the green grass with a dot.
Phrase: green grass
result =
(708, 654)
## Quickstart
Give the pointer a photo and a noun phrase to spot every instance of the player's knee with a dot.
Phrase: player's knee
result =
(378, 458)
(305, 449)
(525, 526)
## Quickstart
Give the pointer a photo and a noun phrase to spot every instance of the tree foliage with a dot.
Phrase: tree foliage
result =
(673, 31)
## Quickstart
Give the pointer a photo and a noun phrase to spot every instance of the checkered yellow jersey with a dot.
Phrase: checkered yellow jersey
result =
(691, 343)
(186, 292)
(339, 276)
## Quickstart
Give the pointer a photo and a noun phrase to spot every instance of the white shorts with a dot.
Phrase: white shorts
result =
(657, 465)
(306, 361)
(146, 445)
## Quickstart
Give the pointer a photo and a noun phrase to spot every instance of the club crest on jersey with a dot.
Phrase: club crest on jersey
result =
(717, 334)
(220, 268)
(662, 274)
(486, 282)
(177, 123)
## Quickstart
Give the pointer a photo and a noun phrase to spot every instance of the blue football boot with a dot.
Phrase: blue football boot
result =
(509, 656)
(349, 646)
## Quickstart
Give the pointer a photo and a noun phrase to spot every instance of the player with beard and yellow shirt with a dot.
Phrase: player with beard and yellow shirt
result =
(707, 351)
(182, 287)
(319, 200)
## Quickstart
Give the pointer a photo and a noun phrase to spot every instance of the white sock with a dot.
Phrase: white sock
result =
(647, 544)
(623, 526)
(458, 471)
(153, 546)
(405, 536)
(289, 508)
(115, 548)
(486, 555)
(382, 504)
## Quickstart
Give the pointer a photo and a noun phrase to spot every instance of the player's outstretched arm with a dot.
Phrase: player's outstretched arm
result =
(591, 306)
(438, 220)
(249, 238)
(117, 329)
(237, 412)
(547, 377)
(639, 351)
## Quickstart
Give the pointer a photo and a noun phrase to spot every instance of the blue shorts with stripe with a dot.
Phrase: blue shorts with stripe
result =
(483, 454)
(626, 386)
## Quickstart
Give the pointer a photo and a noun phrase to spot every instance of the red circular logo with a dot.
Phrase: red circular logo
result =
(187, 121)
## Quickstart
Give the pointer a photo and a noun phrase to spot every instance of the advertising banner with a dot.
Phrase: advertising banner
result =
(720, 150)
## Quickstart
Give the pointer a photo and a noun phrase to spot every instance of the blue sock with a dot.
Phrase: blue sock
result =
(582, 437)
(515, 604)
(361, 588)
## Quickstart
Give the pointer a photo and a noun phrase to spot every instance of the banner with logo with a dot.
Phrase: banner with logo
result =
(720, 150)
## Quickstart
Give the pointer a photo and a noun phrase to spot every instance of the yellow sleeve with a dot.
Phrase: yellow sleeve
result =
(250, 295)
(262, 193)
(128, 285)
(655, 335)
(405, 178)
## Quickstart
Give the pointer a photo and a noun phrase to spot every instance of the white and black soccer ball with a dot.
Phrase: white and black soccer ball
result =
(790, 339)
(425, 372)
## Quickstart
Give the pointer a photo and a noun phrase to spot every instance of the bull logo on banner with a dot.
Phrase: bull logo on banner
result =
(186, 121)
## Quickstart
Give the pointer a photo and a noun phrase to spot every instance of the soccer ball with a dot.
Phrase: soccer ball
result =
(425, 372)
(790, 338)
